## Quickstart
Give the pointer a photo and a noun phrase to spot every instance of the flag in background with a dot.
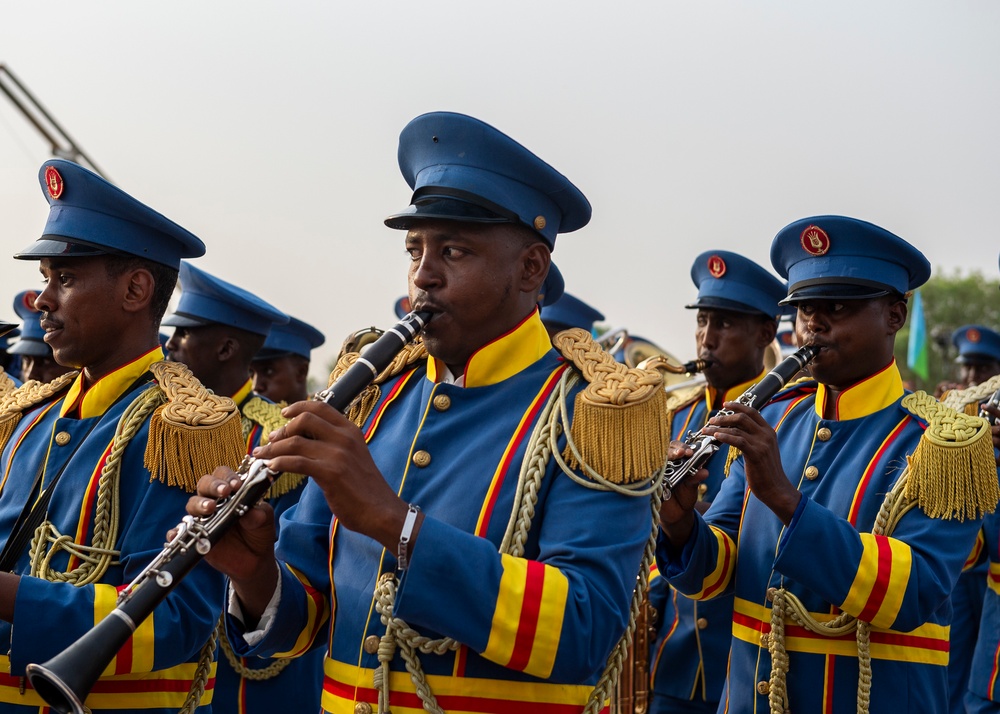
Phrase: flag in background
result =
(916, 352)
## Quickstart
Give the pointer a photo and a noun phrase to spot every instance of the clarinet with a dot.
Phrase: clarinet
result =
(65, 680)
(758, 395)
(993, 401)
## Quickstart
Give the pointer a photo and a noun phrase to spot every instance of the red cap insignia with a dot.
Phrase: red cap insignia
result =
(815, 241)
(29, 300)
(53, 182)
(716, 266)
(972, 335)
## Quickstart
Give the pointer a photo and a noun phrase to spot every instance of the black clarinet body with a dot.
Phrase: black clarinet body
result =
(758, 395)
(65, 680)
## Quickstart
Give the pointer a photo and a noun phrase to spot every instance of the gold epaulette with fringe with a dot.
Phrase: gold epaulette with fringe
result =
(193, 432)
(952, 473)
(15, 402)
(7, 384)
(362, 407)
(620, 422)
(268, 415)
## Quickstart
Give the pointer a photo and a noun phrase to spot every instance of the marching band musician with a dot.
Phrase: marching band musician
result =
(280, 370)
(219, 330)
(851, 496)
(95, 469)
(737, 319)
(402, 532)
(983, 695)
(978, 359)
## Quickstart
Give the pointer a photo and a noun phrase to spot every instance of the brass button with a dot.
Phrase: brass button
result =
(824, 434)
(539, 223)
(702, 623)
(771, 592)
(765, 640)
(371, 644)
(763, 689)
(442, 402)
(366, 708)
(812, 473)
(421, 458)
(62, 438)
(702, 488)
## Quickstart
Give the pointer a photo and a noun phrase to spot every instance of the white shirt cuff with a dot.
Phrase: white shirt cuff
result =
(264, 624)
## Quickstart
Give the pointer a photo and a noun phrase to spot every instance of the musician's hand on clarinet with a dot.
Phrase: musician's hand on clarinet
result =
(677, 512)
(995, 429)
(746, 430)
(322, 443)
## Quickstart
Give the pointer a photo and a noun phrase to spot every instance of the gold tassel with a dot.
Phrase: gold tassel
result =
(363, 405)
(178, 454)
(731, 457)
(952, 472)
(7, 426)
(623, 443)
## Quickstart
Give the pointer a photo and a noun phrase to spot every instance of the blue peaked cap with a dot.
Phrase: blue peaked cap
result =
(552, 288)
(208, 300)
(571, 311)
(976, 344)
(728, 281)
(90, 216)
(462, 169)
(32, 340)
(292, 338)
(835, 257)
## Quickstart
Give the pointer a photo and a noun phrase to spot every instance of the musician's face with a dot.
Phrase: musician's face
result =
(199, 348)
(857, 336)
(280, 379)
(479, 280)
(734, 342)
(83, 313)
(977, 372)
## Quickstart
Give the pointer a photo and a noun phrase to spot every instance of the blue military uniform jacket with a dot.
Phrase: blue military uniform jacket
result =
(296, 685)
(535, 631)
(689, 657)
(72, 432)
(984, 682)
(829, 558)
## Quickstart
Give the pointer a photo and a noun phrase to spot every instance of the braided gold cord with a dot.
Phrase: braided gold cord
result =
(786, 605)
(271, 671)
(6, 383)
(189, 402)
(541, 447)
(97, 557)
(610, 382)
(202, 673)
(958, 399)
(32, 392)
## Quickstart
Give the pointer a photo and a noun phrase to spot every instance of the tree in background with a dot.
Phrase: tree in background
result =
(950, 301)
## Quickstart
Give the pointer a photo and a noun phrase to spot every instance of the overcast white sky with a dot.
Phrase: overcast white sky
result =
(270, 129)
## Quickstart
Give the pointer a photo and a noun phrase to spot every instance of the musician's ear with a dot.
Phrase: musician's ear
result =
(895, 314)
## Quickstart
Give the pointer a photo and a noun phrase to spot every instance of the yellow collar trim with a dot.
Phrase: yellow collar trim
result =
(866, 397)
(733, 393)
(503, 357)
(96, 399)
(243, 392)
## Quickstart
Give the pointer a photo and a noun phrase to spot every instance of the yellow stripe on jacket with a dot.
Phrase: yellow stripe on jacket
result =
(527, 622)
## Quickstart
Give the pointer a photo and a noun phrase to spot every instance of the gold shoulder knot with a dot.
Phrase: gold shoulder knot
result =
(362, 407)
(193, 432)
(268, 415)
(952, 472)
(15, 402)
(620, 421)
